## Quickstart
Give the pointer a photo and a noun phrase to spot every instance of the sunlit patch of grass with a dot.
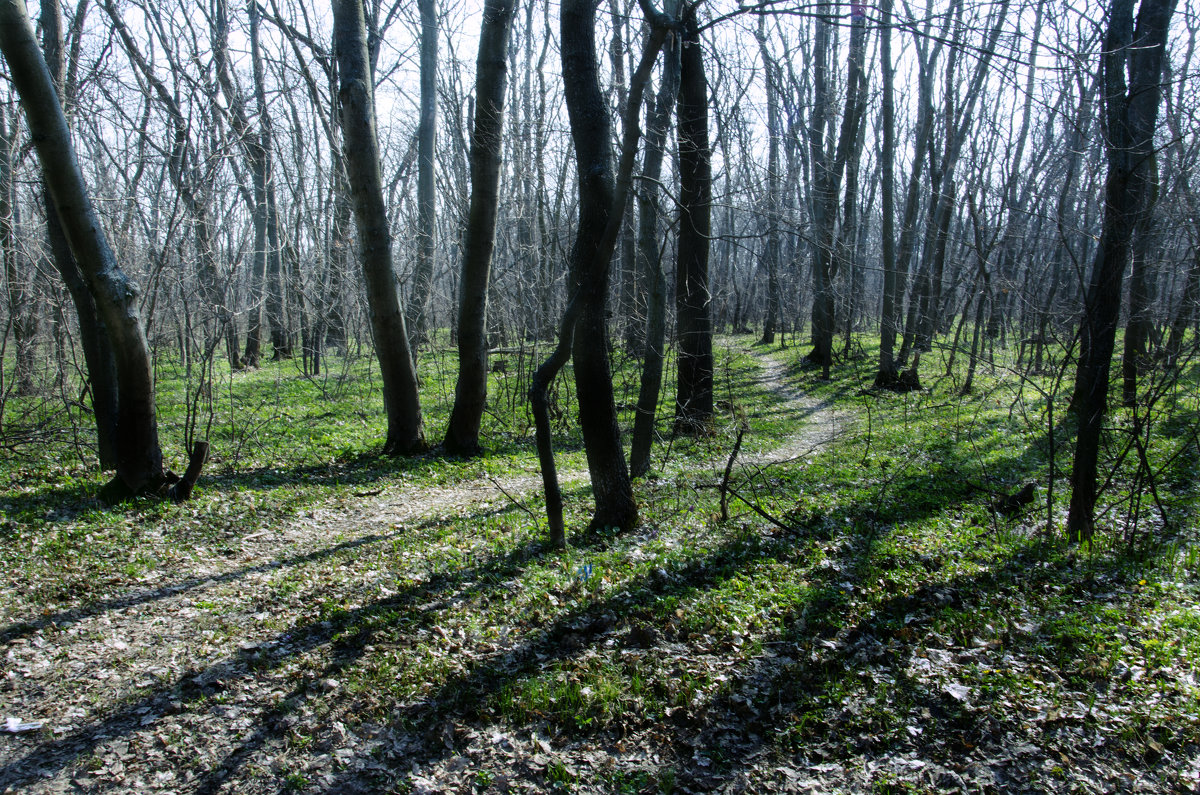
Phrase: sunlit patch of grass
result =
(578, 694)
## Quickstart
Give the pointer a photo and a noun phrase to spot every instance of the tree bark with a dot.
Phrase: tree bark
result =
(256, 146)
(1138, 326)
(191, 185)
(491, 74)
(1130, 115)
(426, 195)
(771, 248)
(405, 433)
(97, 349)
(583, 331)
(18, 280)
(267, 205)
(957, 123)
(694, 391)
(650, 264)
(888, 373)
(591, 262)
(827, 180)
(139, 458)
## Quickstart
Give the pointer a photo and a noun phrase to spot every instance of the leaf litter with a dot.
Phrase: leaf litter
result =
(402, 642)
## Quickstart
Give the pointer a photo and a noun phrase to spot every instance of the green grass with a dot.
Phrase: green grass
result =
(808, 631)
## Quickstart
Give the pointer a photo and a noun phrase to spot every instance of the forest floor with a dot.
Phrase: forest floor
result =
(414, 635)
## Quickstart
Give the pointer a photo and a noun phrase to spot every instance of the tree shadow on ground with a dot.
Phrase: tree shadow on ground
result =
(788, 712)
(22, 629)
(68, 502)
(193, 686)
(468, 697)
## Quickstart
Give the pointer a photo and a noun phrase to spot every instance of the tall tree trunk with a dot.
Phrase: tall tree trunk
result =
(628, 324)
(888, 373)
(491, 74)
(650, 265)
(1188, 308)
(1014, 200)
(827, 182)
(1139, 324)
(984, 288)
(694, 392)
(958, 123)
(590, 267)
(22, 312)
(94, 339)
(255, 145)
(277, 316)
(772, 205)
(426, 195)
(1130, 115)
(139, 458)
(97, 349)
(405, 433)
(582, 331)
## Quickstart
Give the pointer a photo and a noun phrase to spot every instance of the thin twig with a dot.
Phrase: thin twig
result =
(759, 510)
(511, 498)
(737, 445)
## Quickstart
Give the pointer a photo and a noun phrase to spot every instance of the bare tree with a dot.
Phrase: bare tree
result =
(693, 325)
(405, 433)
(192, 179)
(426, 196)
(829, 169)
(139, 457)
(773, 198)
(17, 273)
(888, 373)
(649, 260)
(97, 350)
(583, 334)
(491, 73)
(1131, 69)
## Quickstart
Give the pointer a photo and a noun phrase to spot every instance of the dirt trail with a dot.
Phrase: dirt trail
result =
(822, 425)
(104, 680)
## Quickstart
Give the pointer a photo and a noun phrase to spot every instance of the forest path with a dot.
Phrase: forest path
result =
(172, 676)
(822, 423)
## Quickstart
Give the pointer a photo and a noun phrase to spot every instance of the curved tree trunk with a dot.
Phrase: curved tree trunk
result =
(97, 350)
(590, 267)
(491, 74)
(139, 458)
(583, 330)
(405, 433)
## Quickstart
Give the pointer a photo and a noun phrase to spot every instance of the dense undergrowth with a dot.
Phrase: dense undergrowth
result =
(864, 617)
